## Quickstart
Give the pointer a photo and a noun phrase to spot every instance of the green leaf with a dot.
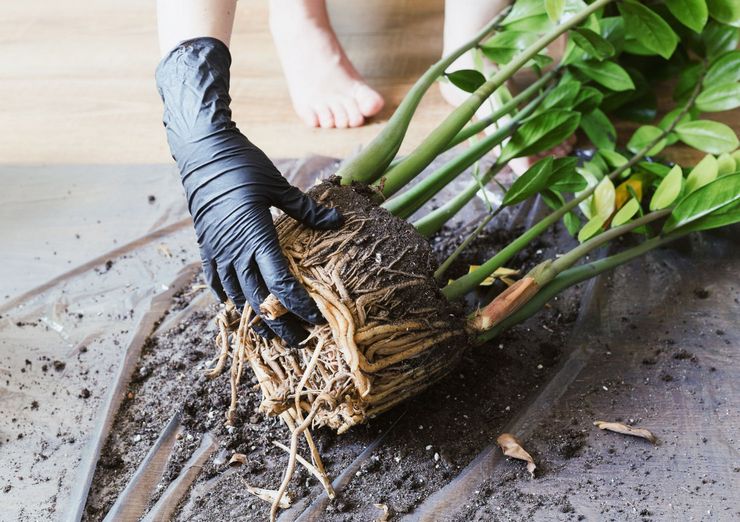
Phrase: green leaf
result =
(704, 172)
(719, 97)
(719, 38)
(555, 9)
(614, 160)
(588, 99)
(591, 228)
(643, 137)
(599, 130)
(552, 199)
(608, 74)
(724, 68)
(466, 79)
(656, 169)
(564, 177)
(725, 11)
(604, 198)
(612, 29)
(562, 96)
(572, 223)
(648, 28)
(726, 164)
(592, 43)
(691, 13)
(502, 47)
(727, 215)
(687, 80)
(540, 133)
(708, 199)
(529, 183)
(708, 136)
(668, 190)
(626, 212)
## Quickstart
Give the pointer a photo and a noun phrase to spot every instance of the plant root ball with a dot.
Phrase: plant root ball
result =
(389, 333)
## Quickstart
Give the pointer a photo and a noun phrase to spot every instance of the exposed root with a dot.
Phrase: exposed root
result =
(389, 333)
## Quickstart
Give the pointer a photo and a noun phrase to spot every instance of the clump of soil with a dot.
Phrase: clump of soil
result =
(429, 438)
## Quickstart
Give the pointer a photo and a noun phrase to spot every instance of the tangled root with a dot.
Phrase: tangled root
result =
(389, 332)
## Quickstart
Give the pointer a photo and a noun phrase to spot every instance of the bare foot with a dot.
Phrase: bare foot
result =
(326, 89)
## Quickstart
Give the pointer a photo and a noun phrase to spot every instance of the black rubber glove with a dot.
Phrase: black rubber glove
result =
(230, 186)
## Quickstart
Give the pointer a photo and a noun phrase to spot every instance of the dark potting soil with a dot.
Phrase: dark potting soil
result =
(433, 435)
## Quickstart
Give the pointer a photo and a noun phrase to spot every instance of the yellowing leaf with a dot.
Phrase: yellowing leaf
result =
(668, 190)
(726, 164)
(626, 213)
(623, 195)
(500, 272)
(704, 172)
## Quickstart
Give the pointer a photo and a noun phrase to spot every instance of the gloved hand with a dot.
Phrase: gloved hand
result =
(230, 186)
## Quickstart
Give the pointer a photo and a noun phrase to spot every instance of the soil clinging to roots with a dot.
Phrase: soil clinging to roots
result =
(389, 333)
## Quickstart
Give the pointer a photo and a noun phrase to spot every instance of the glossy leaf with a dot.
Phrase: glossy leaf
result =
(704, 172)
(719, 97)
(725, 11)
(691, 13)
(564, 177)
(708, 136)
(593, 44)
(502, 47)
(540, 133)
(572, 223)
(726, 164)
(724, 68)
(648, 28)
(668, 189)
(708, 199)
(608, 74)
(719, 38)
(466, 79)
(563, 96)
(727, 215)
(554, 9)
(599, 130)
(656, 169)
(604, 199)
(643, 137)
(614, 160)
(529, 183)
(626, 213)
(588, 99)
(591, 181)
(590, 229)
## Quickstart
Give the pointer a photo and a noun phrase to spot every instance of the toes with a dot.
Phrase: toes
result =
(341, 120)
(368, 100)
(326, 119)
(354, 115)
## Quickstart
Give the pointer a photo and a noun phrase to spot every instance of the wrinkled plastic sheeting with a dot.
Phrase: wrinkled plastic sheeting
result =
(66, 343)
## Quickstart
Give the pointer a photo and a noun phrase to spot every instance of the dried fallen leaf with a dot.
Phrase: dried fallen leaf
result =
(511, 447)
(269, 495)
(164, 250)
(384, 515)
(626, 430)
(237, 459)
(501, 272)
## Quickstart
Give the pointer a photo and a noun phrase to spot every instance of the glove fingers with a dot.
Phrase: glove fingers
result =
(231, 286)
(303, 208)
(282, 284)
(210, 274)
(287, 327)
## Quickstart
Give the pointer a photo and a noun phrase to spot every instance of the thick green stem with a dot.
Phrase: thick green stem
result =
(432, 222)
(464, 284)
(570, 277)
(414, 198)
(480, 125)
(440, 272)
(373, 160)
(570, 258)
(435, 143)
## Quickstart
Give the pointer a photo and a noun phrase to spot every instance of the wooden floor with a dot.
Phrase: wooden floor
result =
(77, 80)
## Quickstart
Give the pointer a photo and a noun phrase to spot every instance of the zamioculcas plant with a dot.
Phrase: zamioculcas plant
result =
(393, 326)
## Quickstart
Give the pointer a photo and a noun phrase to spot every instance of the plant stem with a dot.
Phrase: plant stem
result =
(432, 222)
(371, 162)
(414, 198)
(474, 128)
(464, 284)
(570, 277)
(459, 250)
(435, 143)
